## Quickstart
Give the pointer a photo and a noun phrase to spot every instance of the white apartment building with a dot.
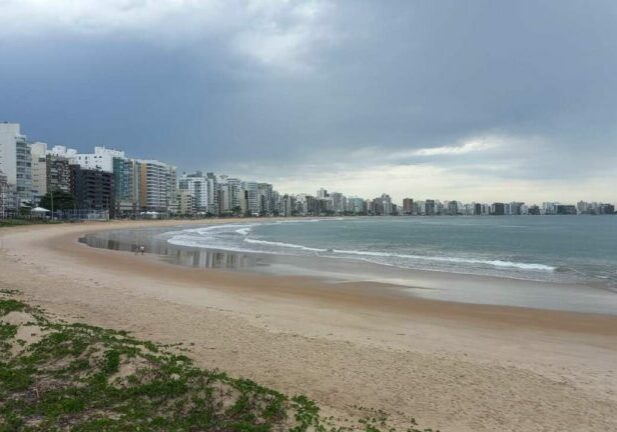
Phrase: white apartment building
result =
(9, 134)
(16, 161)
(62, 151)
(102, 159)
(196, 185)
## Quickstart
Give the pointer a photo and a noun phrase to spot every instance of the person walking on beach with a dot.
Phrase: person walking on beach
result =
(142, 249)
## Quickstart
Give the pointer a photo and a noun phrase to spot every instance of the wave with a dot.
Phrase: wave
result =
(281, 244)
(207, 237)
(193, 242)
(494, 263)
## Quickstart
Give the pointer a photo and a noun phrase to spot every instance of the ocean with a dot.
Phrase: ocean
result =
(523, 247)
(569, 256)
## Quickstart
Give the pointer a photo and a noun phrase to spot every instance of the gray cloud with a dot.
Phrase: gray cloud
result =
(291, 91)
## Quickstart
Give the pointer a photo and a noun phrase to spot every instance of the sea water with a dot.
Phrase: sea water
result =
(548, 262)
(575, 249)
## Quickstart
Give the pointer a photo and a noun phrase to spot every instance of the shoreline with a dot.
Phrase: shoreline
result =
(422, 284)
(343, 343)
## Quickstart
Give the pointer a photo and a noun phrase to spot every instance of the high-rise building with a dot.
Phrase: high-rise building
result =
(212, 190)
(16, 161)
(58, 173)
(452, 208)
(407, 206)
(429, 207)
(126, 186)
(382, 206)
(186, 205)
(533, 210)
(24, 171)
(93, 189)
(266, 199)
(322, 194)
(157, 186)
(565, 209)
(102, 159)
(251, 190)
(516, 208)
(388, 207)
(234, 186)
(10, 133)
(549, 208)
(38, 151)
(338, 202)
(50, 168)
(9, 202)
(312, 206)
(63, 151)
(223, 198)
(196, 185)
(498, 209)
(356, 205)
(288, 205)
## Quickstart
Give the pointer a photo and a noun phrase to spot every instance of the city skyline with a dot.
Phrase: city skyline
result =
(109, 180)
(480, 101)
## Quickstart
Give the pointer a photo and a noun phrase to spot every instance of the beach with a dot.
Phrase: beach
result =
(452, 366)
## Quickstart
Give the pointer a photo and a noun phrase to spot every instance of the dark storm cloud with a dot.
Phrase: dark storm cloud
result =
(294, 88)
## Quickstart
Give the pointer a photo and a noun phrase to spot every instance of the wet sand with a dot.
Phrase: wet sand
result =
(457, 367)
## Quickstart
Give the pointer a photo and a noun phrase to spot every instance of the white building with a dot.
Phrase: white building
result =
(102, 159)
(16, 161)
(62, 151)
(9, 134)
(196, 185)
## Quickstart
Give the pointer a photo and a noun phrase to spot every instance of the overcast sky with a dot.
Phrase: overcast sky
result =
(469, 100)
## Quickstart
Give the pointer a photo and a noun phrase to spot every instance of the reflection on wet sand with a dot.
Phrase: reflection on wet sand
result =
(187, 256)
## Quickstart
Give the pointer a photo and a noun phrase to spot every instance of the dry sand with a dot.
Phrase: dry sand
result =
(452, 366)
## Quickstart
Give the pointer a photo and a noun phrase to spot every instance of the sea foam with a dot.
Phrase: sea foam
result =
(212, 237)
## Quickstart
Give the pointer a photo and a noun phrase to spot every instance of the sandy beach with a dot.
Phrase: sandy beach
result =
(454, 367)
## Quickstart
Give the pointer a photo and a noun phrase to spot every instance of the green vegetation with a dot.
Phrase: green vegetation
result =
(57, 376)
(61, 200)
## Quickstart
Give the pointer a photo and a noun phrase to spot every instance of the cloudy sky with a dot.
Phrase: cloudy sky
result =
(470, 100)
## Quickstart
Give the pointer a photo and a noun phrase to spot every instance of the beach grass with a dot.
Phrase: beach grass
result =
(70, 376)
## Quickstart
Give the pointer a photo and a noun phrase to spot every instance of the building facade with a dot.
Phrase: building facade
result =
(38, 151)
(102, 159)
(126, 187)
(196, 185)
(93, 189)
(157, 186)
